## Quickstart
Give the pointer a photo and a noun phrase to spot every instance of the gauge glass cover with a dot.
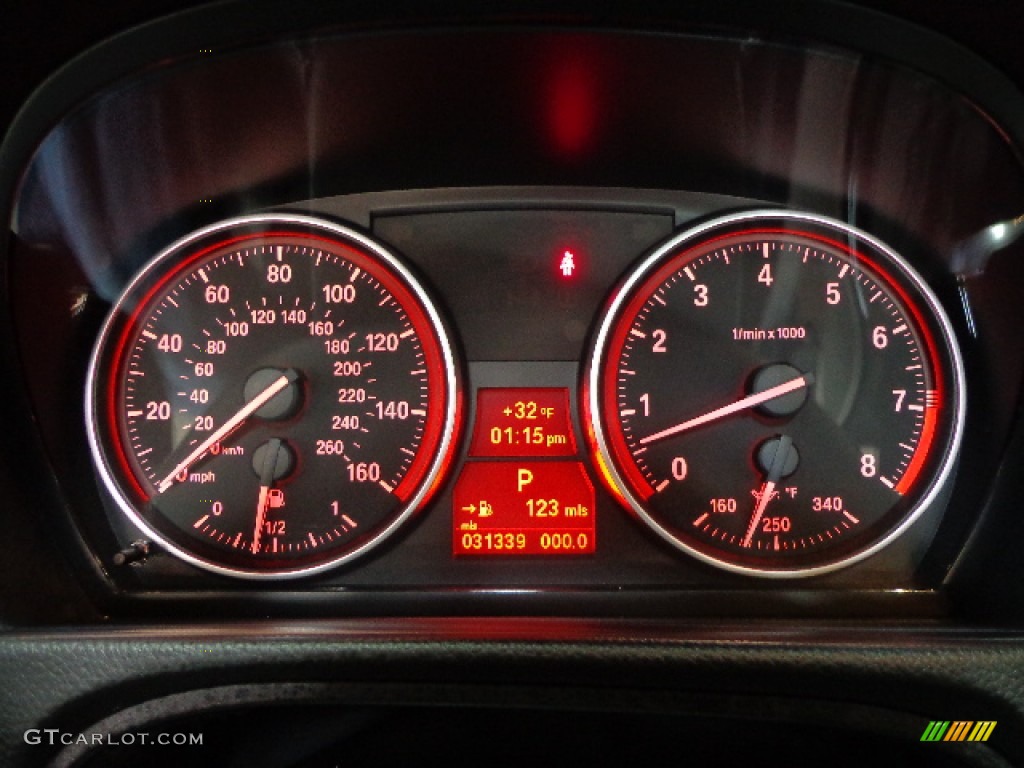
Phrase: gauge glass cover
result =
(272, 396)
(776, 393)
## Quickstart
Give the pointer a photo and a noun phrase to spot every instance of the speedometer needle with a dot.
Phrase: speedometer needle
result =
(229, 426)
(750, 401)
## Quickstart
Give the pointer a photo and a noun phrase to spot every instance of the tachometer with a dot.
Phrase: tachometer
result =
(776, 393)
(271, 396)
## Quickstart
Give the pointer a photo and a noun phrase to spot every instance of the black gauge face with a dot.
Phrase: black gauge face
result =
(776, 394)
(272, 396)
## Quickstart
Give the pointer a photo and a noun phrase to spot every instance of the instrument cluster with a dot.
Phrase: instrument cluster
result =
(619, 345)
(772, 392)
(605, 378)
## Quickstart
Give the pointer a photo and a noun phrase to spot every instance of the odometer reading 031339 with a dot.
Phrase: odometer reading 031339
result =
(271, 396)
(776, 393)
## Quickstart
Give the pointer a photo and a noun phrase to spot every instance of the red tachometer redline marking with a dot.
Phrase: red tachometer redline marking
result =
(924, 446)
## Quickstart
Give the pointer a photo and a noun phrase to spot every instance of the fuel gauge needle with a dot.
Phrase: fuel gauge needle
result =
(767, 492)
(266, 481)
(229, 426)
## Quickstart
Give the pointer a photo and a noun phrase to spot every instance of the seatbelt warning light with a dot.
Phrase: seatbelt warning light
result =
(568, 266)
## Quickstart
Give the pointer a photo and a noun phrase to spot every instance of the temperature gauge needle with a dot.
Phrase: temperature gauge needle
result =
(266, 481)
(767, 491)
(230, 426)
(750, 401)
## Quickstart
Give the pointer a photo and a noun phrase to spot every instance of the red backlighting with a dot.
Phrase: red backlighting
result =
(524, 508)
(572, 106)
(616, 438)
(433, 358)
(523, 422)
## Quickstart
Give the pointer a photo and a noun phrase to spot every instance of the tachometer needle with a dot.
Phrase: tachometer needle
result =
(750, 401)
(229, 426)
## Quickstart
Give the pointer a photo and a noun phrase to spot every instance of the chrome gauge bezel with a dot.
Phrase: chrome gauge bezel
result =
(599, 349)
(165, 262)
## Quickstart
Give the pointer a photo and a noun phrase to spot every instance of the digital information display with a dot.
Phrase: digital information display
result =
(523, 422)
(510, 503)
(524, 508)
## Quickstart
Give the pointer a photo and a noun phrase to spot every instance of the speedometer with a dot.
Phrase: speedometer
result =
(271, 396)
(776, 393)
